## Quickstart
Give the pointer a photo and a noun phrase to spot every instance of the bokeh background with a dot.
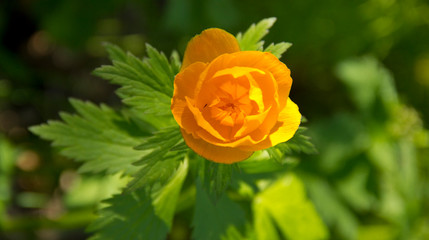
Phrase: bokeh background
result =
(361, 78)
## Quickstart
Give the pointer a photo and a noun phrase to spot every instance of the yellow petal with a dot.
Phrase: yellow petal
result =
(215, 153)
(183, 116)
(210, 44)
(288, 123)
(266, 62)
(202, 122)
(184, 85)
(186, 81)
(289, 120)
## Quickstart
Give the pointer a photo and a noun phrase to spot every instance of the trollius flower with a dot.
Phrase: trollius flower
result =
(230, 103)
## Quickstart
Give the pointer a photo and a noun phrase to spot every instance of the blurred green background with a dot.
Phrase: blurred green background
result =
(361, 78)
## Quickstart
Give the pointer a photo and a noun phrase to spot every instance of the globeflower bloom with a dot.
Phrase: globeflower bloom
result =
(230, 103)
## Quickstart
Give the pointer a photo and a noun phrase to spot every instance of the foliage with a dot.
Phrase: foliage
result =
(252, 39)
(8, 153)
(140, 142)
(218, 216)
(367, 179)
(369, 162)
(291, 217)
(98, 136)
(139, 214)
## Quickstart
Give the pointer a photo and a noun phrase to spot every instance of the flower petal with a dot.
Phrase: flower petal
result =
(184, 87)
(275, 83)
(184, 117)
(186, 81)
(202, 122)
(289, 120)
(215, 153)
(210, 44)
(267, 62)
(288, 123)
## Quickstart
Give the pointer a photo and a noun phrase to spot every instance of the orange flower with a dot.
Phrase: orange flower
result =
(230, 103)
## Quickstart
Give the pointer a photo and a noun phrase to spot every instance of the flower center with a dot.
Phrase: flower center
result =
(232, 97)
(230, 107)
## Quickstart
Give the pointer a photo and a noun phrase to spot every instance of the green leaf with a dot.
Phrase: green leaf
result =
(165, 200)
(139, 215)
(145, 100)
(8, 157)
(176, 64)
(251, 39)
(367, 79)
(285, 206)
(341, 146)
(158, 165)
(264, 224)
(217, 177)
(264, 162)
(332, 209)
(180, 146)
(299, 143)
(159, 144)
(277, 157)
(232, 234)
(278, 49)
(353, 188)
(97, 136)
(155, 172)
(212, 220)
(129, 216)
(147, 85)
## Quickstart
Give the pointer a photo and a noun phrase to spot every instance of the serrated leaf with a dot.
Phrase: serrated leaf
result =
(161, 68)
(159, 144)
(145, 101)
(176, 64)
(129, 216)
(155, 172)
(263, 162)
(115, 52)
(297, 144)
(216, 178)
(211, 220)
(160, 162)
(180, 146)
(98, 136)
(285, 206)
(251, 39)
(139, 215)
(147, 85)
(278, 49)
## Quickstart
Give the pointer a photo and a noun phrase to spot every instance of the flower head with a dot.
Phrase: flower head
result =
(230, 103)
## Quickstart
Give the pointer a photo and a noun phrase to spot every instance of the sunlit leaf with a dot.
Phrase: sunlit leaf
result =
(147, 85)
(97, 136)
(278, 49)
(332, 209)
(252, 38)
(286, 204)
(159, 144)
(165, 199)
